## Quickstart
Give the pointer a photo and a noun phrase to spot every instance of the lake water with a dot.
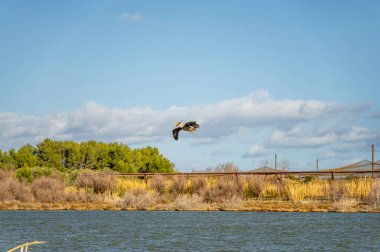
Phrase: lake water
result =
(190, 231)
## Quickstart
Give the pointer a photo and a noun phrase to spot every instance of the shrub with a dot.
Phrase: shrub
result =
(25, 173)
(373, 197)
(226, 187)
(5, 174)
(178, 185)
(233, 203)
(41, 171)
(226, 167)
(309, 179)
(344, 205)
(334, 190)
(187, 202)
(139, 199)
(12, 189)
(48, 189)
(29, 174)
(84, 180)
(254, 186)
(99, 183)
(103, 183)
(197, 185)
(158, 184)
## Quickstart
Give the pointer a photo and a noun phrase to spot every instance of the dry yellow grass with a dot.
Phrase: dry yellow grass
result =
(359, 188)
(270, 190)
(295, 191)
(194, 193)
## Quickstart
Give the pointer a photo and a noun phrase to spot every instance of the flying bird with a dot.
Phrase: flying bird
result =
(188, 126)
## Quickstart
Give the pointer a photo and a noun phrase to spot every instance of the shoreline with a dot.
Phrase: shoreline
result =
(91, 191)
(246, 206)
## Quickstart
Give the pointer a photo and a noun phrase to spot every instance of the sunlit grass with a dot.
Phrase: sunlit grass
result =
(185, 193)
(270, 190)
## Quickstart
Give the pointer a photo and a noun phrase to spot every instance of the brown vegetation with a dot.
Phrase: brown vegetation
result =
(48, 189)
(90, 190)
(97, 182)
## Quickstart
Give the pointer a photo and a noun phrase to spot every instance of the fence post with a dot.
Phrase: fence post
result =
(332, 176)
(237, 179)
(373, 160)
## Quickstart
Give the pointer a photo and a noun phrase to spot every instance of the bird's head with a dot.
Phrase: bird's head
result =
(178, 124)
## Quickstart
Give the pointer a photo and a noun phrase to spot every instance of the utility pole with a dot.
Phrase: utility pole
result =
(317, 164)
(275, 162)
(373, 159)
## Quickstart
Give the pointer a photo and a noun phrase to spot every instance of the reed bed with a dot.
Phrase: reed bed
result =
(227, 192)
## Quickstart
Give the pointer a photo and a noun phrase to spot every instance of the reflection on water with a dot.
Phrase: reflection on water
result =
(190, 231)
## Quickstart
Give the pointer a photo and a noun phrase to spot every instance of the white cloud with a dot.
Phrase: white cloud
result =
(256, 151)
(289, 121)
(256, 110)
(342, 147)
(16, 130)
(136, 123)
(357, 138)
(131, 17)
(300, 137)
(356, 133)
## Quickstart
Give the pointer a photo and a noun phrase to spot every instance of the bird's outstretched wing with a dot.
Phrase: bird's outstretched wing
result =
(175, 132)
(192, 124)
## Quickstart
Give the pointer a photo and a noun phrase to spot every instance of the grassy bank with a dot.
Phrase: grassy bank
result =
(94, 191)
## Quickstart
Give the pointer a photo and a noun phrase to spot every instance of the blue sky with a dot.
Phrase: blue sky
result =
(296, 78)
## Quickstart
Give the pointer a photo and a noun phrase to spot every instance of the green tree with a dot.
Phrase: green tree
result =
(149, 159)
(26, 156)
(11, 158)
(92, 155)
(50, 153)
(71, 155)
(88, 155)
(118, 156)
(102, 155)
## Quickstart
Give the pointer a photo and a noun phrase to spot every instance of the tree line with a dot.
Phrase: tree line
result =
(94, 155)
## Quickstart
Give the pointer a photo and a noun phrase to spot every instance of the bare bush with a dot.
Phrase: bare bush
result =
(229, 186)
(158, 184)
(233, 203)
(226, 187)
(6, 193)
(78, 196)
(6, 174)
(197, 185)
(225, 167)
(84, 180)
(178, 185)
(12, 189)
(99, 183)
(188, 202)
(139, 199)
(344, 204)
(373, 198)
(102, 183)
(48, 189)
(75, 197)
(334, 190)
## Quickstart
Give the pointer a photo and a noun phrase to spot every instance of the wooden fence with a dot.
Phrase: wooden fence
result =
(331, 174)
